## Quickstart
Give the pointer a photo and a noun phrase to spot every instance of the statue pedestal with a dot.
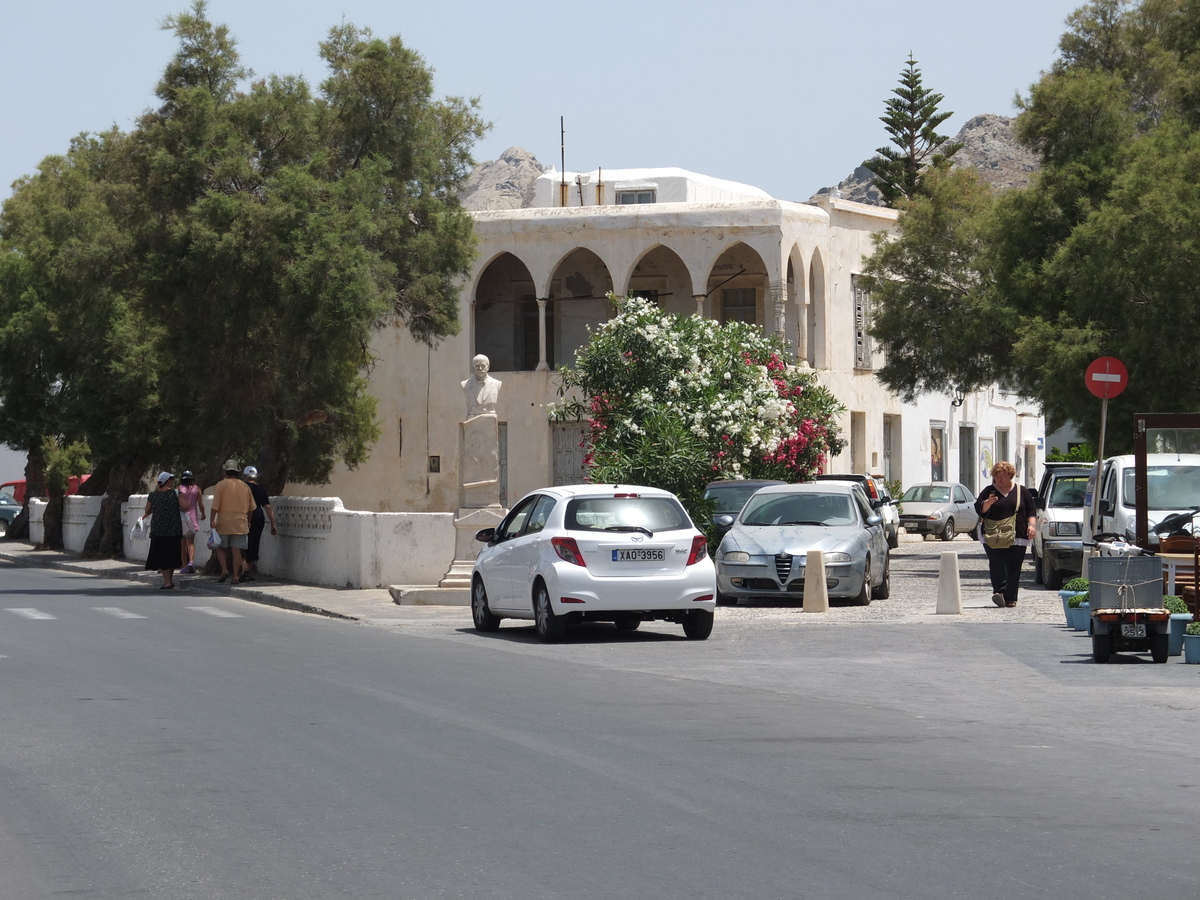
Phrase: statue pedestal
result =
(480, 508)
(466, 548)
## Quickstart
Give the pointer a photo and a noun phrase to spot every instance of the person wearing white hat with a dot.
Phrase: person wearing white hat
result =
(166, 531)
(263, 510)
(230, 512)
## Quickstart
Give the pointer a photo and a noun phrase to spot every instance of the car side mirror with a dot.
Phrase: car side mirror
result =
(485, 535)
(874, 520)
(1041, 502)
(1105, 507)
(723, 521)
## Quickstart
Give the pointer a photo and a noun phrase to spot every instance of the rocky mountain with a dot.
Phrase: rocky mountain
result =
(989, 146)
(505, 183)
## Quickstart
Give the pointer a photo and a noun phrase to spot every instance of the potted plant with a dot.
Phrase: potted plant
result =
(1180, 617)
(1079, 610)
(1191, 643)
(1072, 588)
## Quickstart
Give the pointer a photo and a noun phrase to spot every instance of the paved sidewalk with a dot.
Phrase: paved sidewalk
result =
(371, 607)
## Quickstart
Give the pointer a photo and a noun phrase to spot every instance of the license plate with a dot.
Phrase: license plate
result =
(640, 555)
(1133, 631)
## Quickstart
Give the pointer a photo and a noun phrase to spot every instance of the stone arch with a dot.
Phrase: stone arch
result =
(817, 318)
(661, 273)
(504, 299)
(738, 285)
(796, 295)
(578, 290)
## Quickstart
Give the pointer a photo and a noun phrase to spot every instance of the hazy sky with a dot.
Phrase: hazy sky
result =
(784, 96)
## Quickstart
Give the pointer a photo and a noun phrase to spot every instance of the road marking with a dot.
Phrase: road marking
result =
(213, 611)
(118, 612)
(32, 613)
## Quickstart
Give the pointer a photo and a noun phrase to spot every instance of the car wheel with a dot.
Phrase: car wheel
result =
(1051, 577)
(697, 624)
(1038, 575)
(1101, 647)
(548, 626)
(1159, 646)
(948, 532)
(977, 532)
(480, 614)
(3, 528)
(894, 538)
(627, 623)
(885, 586)
(864, 596)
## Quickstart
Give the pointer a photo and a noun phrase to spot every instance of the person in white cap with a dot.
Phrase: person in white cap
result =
(230, 512)
(258, 521)
(166, 531)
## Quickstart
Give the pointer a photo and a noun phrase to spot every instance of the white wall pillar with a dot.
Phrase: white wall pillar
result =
(542, 365)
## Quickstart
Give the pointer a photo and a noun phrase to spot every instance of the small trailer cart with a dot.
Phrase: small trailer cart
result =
(1126, 598)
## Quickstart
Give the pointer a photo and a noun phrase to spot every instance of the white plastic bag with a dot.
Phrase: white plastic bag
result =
(140, 530)
(214, 540)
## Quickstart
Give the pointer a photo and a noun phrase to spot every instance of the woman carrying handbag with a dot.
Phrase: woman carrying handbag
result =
(1009, 522)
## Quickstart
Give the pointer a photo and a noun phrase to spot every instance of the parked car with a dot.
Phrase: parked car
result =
(1172, 489)
(881, 501)
(1058, 544)
(9, 510)
(765, 553)
(730, 497)
(17, 488)
(610, 553)
(942, 508)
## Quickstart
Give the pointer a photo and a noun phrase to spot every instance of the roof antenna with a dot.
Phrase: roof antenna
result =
(563, 194)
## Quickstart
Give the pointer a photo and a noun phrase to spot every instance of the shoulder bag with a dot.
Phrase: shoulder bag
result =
(999, 534)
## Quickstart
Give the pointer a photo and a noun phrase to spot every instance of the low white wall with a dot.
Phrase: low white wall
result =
(78, 515)
(37, 529)
(322, 542)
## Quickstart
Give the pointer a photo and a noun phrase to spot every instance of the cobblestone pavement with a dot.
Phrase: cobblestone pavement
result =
(915, 568)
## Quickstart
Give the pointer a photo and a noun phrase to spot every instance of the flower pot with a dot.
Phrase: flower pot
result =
(1191, 648)
(1179, 622)
(1066, 596)
(1081, 617)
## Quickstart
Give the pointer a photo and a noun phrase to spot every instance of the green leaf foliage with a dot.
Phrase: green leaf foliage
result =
(912, 120)
(678, 401)
(208, 284)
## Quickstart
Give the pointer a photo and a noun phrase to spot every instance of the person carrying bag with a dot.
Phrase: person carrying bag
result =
(1009, 522)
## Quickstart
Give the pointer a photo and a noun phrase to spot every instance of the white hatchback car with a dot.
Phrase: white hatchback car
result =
(610, 553)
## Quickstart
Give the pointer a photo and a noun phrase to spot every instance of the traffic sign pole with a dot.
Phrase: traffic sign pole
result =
(1105, 377)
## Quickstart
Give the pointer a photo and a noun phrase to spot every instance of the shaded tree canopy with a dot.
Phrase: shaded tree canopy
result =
(912, 120)
(208, 284)
(1096, 258)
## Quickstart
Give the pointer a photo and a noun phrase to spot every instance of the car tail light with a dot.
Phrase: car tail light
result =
(567, 549)
(699, 549)
(702, 598)
(873, 489)
(626, 496)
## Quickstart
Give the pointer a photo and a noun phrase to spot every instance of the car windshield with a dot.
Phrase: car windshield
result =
(730, 498)
(927, 493)
(1068, 490)
(1167, 487)
(626, 514)
(799, 509)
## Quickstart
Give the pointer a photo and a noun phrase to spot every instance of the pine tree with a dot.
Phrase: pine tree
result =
(912, 119)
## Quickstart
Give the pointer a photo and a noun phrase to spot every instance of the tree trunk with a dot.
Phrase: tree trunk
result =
(52, 524)
(107, 537)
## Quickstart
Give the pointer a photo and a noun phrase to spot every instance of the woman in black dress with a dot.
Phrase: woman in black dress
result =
(257, 520)
(166, 531)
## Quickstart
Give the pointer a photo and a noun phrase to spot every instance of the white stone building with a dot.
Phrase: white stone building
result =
(696, 245)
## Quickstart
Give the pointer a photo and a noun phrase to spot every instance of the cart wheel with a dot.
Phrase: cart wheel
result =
(1159, 646)
(1101, 647)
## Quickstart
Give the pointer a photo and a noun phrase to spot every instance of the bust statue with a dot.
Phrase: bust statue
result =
(482, 391)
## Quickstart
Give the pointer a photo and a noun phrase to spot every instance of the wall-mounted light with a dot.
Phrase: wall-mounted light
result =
(959, 397)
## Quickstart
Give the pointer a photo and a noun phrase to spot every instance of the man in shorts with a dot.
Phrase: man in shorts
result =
(231, 507)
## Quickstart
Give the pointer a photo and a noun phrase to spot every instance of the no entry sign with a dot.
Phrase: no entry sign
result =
(1107, 377)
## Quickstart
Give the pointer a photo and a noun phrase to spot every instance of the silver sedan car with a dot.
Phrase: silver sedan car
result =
(941, 508)
(764, 555)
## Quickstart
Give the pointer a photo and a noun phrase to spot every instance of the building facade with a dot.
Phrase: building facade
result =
(694, 245)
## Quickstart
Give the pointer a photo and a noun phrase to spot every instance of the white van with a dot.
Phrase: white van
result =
(1172, 486)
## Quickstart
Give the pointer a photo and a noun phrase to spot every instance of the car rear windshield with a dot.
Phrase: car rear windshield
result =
(626, 514)
(730, 498)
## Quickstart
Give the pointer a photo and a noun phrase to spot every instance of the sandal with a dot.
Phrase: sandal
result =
(223, 578)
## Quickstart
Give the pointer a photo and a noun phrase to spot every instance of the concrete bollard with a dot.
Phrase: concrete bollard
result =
(949, 601)
(816, 594)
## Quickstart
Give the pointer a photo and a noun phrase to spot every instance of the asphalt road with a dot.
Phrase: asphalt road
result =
(169, 745)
